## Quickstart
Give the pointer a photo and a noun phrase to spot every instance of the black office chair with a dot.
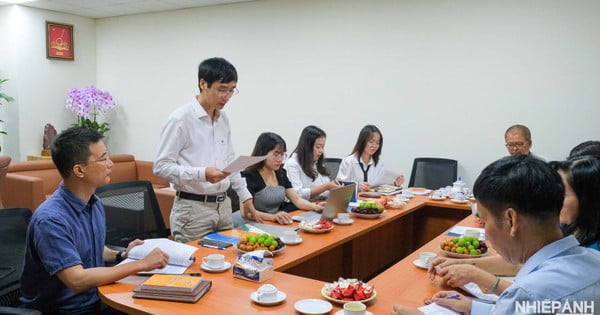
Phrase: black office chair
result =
(333, 165)
(13, 233)
(433, 173)
(132, 212)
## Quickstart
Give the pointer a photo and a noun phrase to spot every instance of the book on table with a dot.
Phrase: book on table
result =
(181, 255)
(180, 288)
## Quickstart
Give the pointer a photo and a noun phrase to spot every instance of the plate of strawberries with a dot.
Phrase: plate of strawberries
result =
(321, 226)
(346, 290)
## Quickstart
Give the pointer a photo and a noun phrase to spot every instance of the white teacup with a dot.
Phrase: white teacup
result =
(460, 196)
(266, 293)
(355, 308)
(214, 260)
(289, 236)
(344, 217)
(426, 258)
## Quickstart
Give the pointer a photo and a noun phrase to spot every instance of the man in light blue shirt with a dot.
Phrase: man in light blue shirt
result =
(519, 200)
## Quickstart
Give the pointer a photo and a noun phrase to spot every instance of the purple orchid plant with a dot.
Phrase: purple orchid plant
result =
(87, 103)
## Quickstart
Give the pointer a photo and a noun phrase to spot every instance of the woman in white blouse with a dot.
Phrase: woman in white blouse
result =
(363, 164)
(305, 168)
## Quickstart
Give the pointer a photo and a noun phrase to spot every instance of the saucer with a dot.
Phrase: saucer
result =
(341, 312)
(313, 306)
(337, 221)
(206, 267)
(459, 201)
(417, 262)
(280, 298)
(298, 240)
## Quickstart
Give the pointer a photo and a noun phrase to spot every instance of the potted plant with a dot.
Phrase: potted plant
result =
(87, 103)
(7, 99)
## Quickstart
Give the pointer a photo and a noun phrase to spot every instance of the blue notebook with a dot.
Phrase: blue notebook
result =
(223, 238)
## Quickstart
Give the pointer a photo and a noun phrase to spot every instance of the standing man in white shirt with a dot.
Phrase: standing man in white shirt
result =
(194, 146)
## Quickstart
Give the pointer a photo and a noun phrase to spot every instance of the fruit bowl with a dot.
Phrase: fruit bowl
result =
(471, 244)
(263, 241)
(346, 290)
(375, 215)
(273, 252)
(316, 227)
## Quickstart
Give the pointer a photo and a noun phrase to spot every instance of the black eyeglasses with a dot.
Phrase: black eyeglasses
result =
(104, 159)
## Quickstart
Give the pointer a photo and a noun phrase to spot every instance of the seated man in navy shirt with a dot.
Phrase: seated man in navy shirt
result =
(519, 200)
(65, 254)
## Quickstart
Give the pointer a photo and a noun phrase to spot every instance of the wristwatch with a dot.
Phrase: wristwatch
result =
(119, 256)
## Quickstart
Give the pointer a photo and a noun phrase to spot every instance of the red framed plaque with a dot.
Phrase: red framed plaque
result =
(59, 41)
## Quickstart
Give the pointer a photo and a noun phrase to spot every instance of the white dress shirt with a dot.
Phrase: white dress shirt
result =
(351, 171)
(301, 182)
(189, 143)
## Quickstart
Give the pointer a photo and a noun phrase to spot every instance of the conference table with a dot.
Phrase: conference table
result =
(377, 251)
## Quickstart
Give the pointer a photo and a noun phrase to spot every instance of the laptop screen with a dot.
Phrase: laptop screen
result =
(338, 201)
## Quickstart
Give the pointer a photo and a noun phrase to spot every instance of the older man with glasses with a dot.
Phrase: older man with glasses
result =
(518, 141)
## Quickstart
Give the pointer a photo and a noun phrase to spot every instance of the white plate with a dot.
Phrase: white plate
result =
(310, 229)
(341, 312)
(459, 201)
(437, 199)
(368, 216)
(274, 252)
(298, 240)
(313, 306)
(206, 267)
(419, 192)
(280, 298)
(417, 262)
(348, 222)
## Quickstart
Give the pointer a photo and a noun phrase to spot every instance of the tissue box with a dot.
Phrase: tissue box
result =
(253, 266)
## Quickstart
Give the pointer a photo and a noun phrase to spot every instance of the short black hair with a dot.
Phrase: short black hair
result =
(591, 147)
(72, 146)
(526, 184)
(216, 69)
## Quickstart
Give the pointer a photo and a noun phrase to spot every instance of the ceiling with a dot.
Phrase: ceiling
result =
(110, 8)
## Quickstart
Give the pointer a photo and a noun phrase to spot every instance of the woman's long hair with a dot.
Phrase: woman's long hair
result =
(304, 151)
(363, 139)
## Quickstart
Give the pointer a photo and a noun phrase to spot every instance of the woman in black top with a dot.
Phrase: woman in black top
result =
(267, 181)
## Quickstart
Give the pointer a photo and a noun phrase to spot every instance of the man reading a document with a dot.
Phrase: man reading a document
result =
(194, 148)
(65, 252)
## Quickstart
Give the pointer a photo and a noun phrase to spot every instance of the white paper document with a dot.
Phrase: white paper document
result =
(242, 162)
(181, 255)
(435, 309)
(387, 177)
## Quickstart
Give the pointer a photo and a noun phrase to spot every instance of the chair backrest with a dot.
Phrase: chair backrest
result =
(333, 165)
(433, 173)
(4, 161)
(132, 212)
(13, 232)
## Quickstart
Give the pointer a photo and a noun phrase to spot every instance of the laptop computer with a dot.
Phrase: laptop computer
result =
(337, 202)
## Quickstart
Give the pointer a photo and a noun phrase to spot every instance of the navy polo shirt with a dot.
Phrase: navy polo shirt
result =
(64, 231)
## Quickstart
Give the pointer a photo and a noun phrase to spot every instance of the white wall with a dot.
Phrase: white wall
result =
(40, 85)
(440, 78)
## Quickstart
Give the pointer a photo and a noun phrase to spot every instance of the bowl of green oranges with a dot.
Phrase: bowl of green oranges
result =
(464, 247)
(262, 241)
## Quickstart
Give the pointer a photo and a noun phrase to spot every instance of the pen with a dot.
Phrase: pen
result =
(212, 246)
(453, 296)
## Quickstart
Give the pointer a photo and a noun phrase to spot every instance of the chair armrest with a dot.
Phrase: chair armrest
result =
(165, 198)
(23, 191)
(144, 172)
